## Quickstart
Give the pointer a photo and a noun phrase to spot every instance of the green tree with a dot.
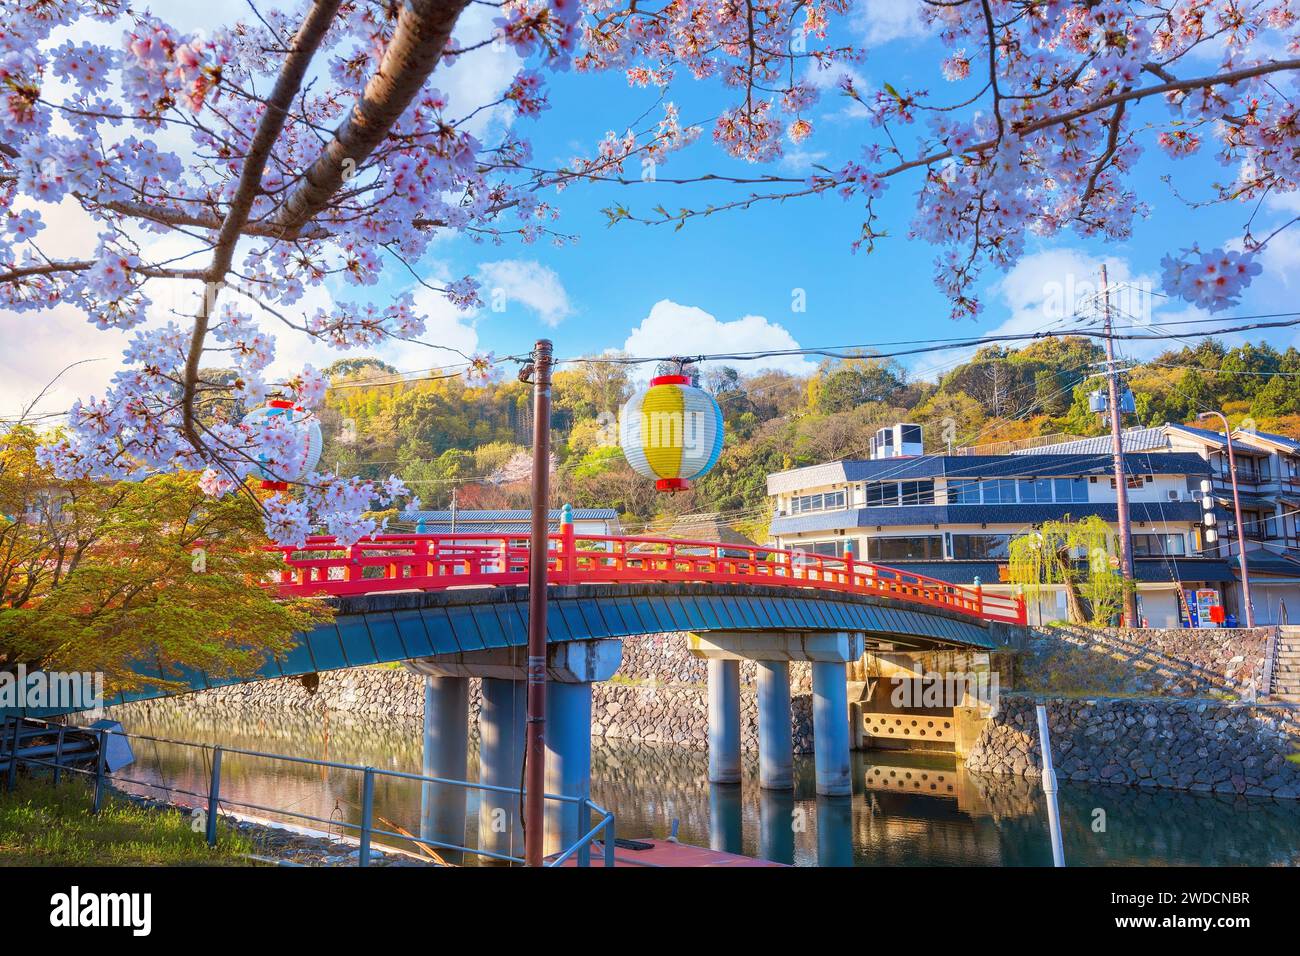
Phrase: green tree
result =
(102, 577)
(1074, 555)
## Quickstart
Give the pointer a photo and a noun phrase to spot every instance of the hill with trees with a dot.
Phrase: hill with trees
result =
(440, 433)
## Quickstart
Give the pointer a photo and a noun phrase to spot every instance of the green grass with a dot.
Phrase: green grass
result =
(41, 825)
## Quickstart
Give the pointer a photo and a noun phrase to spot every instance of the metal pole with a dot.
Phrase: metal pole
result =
(214, 796)
(535, 750)
(99, 772)
(58, 755)
(1049, 788)
(11, 778)
(1121, 479)
(367, 815)
(1236, 511)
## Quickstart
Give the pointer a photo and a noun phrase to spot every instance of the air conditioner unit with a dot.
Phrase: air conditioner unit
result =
(1175, 495)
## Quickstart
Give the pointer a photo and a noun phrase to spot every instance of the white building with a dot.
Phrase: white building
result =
(952, 517)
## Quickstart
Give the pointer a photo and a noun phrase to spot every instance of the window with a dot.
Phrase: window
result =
(829, 501)
(882, 494)
(963, 491)
(1070, 490)
(977, 547)
(1000, 491)
(1158, 545)
(917, 492)
(921, 548)
(1036, 490)
(1133, 481)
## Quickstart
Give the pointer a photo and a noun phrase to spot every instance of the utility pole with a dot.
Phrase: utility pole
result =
(535, 746)
(453, 506)
(1236, 512)
(1121, 479)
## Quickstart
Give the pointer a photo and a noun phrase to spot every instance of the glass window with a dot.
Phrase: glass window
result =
(963, 491)
(882, 494)
(1036, 490)
(1159, 545)
(1071, 490)
(1000, 491)
(917, 492)
(824, 502)
(922, 548)
(978, 547)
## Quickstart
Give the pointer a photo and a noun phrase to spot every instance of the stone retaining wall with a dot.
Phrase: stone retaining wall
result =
(1194, 745)
(660, 693)
(1179, 662)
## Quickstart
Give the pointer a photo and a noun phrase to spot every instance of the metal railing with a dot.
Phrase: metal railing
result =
(425, 562)
(212, 800)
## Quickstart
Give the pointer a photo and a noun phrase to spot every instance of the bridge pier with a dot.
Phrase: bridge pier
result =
(724, 720)
(775, 737)
(500, 761)
(446, 746)
(829, 653)
(571, 668)
(831, 728)
(568, 761)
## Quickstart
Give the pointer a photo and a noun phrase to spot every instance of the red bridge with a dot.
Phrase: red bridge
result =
(431, 562)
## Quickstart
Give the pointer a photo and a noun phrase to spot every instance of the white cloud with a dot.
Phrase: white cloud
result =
(881, 21)
(1056, 291)
(530, 284)
(673, 329)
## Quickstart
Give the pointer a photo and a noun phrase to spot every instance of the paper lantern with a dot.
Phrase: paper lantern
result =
(671, 432)
(307, 446)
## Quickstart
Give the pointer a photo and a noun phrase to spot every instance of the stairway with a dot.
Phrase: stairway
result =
(1286, 665)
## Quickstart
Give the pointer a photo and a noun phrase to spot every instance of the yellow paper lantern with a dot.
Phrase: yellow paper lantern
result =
(671, 432)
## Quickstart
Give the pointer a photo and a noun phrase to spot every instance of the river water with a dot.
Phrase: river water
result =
(906, 809)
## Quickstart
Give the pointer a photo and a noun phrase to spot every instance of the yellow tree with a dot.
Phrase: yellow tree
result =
(1074, 555)
(104, 576)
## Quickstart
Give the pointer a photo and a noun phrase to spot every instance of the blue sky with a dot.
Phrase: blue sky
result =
(748, 264)
(725, 283)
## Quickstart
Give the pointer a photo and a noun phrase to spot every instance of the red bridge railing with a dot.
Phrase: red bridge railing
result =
(426, 562)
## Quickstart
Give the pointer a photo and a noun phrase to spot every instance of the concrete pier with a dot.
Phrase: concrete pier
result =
(724, 721)
(568, 762)
(831, 729)
(501, 756)
(775, 743)
(446, 755)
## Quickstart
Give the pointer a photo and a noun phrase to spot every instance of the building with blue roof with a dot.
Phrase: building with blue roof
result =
(953, 516)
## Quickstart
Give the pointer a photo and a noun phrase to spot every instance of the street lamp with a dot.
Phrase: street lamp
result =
(1236, 509)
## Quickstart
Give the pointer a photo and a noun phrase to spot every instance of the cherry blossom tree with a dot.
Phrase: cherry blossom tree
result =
(321, 149)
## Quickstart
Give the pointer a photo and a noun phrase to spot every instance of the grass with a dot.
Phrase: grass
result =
(41, 825)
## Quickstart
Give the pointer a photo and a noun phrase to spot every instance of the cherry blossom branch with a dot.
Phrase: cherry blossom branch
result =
(306, 41)
(423, 29)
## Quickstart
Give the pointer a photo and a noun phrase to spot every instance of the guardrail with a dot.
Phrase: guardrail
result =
(423, 562)
(211, 801)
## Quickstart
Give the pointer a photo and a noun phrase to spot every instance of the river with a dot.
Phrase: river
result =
(906, 810)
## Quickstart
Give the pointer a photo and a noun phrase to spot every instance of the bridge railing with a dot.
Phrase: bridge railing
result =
(206, 804)
(402, 562)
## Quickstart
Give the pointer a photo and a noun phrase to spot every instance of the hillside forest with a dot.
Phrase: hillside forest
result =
(447, 437)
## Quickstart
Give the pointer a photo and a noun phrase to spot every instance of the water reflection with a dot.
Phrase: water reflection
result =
(906, 809)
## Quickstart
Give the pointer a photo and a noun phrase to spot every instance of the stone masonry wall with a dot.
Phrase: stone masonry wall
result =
(1218, 662)
(1194, 745)
(660, 693)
